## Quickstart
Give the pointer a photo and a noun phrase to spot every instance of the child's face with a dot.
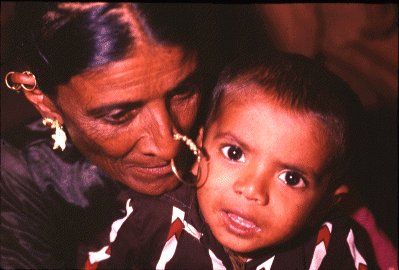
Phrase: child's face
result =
(266, 173)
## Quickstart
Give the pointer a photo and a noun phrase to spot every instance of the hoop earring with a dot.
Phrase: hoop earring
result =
(59, 135)
(174, 170)
(17, 86)
(196, 151)
(193, 147)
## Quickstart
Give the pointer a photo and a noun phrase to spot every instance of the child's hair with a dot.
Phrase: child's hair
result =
(302, 85)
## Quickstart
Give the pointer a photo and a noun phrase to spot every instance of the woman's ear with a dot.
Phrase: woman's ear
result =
(44, 105)
(339, 192)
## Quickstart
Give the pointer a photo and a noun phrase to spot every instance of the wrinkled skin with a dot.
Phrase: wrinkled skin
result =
(122, 115)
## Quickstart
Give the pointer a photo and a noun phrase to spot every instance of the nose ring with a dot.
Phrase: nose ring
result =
(196, 151)
(193, 147)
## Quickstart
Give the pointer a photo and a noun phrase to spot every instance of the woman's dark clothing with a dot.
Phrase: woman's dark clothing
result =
(52, 202)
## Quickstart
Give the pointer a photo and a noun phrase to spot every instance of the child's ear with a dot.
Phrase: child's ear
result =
(200, 137)
(43, 104)
(194, 169)
(339, 193)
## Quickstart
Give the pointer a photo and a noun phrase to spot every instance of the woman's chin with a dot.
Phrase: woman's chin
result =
(155, 186)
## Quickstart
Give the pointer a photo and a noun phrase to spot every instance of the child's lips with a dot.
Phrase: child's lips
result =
(239, 223)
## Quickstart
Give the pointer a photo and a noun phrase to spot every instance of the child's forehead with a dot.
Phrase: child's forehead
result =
(252, 96)
(244, 89)
(246, 93)
(291, 135)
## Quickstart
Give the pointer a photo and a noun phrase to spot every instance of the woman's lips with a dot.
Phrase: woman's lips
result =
(238, 224)
(155, 171)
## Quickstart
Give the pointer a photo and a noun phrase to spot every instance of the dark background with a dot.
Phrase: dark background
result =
(357, 41)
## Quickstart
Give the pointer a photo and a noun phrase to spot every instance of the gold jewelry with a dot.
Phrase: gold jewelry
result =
(193, 147)
(174, 170)
(17, 86)
(14, 86)
(59, 136)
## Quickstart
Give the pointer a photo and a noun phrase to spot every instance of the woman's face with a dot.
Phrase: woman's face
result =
(122, 116)
(266, 175)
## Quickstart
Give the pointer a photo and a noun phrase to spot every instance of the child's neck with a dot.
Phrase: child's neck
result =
(238, 261)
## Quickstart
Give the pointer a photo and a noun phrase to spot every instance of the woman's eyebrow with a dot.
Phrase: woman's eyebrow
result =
(109, 107)
(103, 109)
(193, 77)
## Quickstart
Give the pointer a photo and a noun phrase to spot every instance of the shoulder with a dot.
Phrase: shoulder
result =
(183, 198)
(152, 215)
(31, 161)
(150, 223)
(346, 243)
(12, 161)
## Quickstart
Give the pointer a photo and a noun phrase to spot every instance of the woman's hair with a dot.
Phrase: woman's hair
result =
(302, 85)
(57, 40)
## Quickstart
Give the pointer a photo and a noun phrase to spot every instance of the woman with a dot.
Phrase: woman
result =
(112, 81)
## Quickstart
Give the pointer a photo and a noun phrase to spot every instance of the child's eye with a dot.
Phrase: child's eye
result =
(233, 153)
(292, 179)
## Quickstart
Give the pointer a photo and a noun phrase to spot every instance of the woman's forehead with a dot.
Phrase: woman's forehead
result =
(145, 75)
(145, 62)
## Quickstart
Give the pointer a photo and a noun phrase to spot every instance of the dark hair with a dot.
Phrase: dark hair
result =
(303, 85)
(57, 40)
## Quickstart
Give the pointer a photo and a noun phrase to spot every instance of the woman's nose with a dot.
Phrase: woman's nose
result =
(253, 187)
(160, 128)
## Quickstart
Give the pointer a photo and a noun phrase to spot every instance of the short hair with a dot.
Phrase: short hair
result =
(303, 85)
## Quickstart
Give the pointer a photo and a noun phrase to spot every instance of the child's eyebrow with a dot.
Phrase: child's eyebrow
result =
(307, 171)
(232, 137)
(301, 169)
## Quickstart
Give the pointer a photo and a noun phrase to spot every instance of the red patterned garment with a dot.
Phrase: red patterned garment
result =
(167, 232)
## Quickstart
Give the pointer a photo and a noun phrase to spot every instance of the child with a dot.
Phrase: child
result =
(276, 152)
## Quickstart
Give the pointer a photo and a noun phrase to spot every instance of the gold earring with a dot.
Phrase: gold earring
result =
(12, 85)
(59, 136)
(17, 86)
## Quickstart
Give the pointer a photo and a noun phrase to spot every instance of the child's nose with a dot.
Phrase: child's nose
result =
(253, 187)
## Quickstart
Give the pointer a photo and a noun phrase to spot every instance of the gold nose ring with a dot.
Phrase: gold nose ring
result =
(193, 147)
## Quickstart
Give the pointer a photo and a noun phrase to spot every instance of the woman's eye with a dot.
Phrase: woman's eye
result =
(292, 179)
(233, 153)
(117, 117)
(184, 93)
